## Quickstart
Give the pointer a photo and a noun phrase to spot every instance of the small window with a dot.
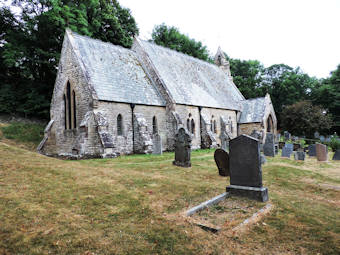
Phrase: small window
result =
(74, 109)
(69, 107)
(192, 126)
(119, 125)
(154, 125)
(65, 111)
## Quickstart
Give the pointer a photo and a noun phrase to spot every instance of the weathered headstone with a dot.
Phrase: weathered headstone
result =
(182, 148)
(286, 135)
(157, 144)
(299, 155)
(321, 152)
(316, 135)
(286, 151)
(296, 146)
(312, 150)
(322, 138)
(245, 168)
(224, 141)
(222, 161)
(281, 144)
(336, 155)
(268, 147)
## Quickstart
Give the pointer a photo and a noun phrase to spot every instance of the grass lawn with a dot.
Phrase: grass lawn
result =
(135, 204)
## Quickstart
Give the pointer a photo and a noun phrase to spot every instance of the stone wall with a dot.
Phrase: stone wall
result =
(248, 128)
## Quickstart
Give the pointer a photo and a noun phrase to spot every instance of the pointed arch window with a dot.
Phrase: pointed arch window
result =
(119, 125)
(154, 125)
(188, 125)
(65, 111)
(192, 126)
(74, 113)
(215, 127)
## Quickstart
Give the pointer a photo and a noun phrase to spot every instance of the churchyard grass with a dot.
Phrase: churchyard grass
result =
(135, 204)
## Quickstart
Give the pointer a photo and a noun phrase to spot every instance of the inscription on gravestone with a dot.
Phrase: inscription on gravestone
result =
(269, 147)
(222, 161)
(157, 144)
(245, 168)
(321, 152)
(182, 148)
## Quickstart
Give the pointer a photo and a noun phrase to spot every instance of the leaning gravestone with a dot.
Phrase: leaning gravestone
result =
(321, 152)
(286, 151)
(299, 155)
(157, 144)
(222, 161)
(336, 155)
(182, 148)
(312, 150)
(245, 168)
(269, 147)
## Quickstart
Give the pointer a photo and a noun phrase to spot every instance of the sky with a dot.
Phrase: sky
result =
(304, 33)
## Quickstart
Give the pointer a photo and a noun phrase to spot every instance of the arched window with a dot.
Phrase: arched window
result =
(192, 126)
(74, 113)
(215, 127)
(65, 111)
(69, 108)
(269, 124)
(119, 125)
(154, 125)
(188, 125)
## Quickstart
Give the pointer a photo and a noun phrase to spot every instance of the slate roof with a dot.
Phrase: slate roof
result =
(116, 73)
(191, 81)
(252, 110)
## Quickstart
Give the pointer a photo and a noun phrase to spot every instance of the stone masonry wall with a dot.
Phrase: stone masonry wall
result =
(248, 128)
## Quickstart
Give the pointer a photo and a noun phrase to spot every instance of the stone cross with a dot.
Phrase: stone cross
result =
(269, 147)
(182, 148)
(222, 161)
(321, 152)
(245, 168)
(157, 144)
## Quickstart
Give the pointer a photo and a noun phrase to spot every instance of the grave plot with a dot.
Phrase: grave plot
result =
(230, 214)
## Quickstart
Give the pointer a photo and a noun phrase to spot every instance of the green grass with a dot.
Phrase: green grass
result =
(26, 133)
(134, 205)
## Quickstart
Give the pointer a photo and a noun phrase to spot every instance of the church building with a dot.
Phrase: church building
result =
(109, 100)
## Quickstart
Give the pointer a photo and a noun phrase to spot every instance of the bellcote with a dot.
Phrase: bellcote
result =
(221, 61)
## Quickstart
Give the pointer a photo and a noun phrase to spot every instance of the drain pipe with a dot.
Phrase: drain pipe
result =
(133, 128)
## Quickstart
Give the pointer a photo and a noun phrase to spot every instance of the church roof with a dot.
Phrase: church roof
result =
(115, 72)
(252, 110)
(191, 81)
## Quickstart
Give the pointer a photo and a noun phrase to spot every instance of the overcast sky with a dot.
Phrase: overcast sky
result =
(303, 33)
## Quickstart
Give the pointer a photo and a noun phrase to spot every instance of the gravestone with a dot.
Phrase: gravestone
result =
(336, 155)
(281, 145)
(245, 168)
(299, 155)
(321, 152)
(289, 145)
(222, 161)
(316, 135)
(286, 135)
(286, 151)
(296, 146)
(182, 148)
(157, 144)
(268, 147)
(224, 141)
(322, 138)
(312, 150)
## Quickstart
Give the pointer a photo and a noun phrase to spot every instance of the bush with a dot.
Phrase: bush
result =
(334, 143)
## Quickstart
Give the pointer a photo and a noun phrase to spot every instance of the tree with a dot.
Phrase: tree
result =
(31, 45)
(170, 37)
(303, 118)
(327, 94)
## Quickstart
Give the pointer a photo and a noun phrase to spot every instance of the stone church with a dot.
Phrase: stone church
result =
(109, 100)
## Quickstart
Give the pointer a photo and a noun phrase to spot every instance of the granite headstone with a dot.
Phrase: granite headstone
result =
(157, 144)
(286, 151)
(268, 147)
(312, 150)
(321, 152)
(222, 161)
(245, 168)
(336, 155)
(182, 148)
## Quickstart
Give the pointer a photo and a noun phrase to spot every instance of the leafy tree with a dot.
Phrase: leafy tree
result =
(170, 37)
(327, 94)
(303, 118)
(31, 44)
